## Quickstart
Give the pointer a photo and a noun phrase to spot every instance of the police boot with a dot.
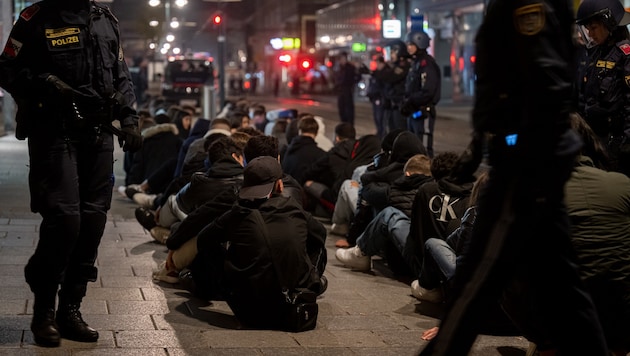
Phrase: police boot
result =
(43, 326)
(72, 326)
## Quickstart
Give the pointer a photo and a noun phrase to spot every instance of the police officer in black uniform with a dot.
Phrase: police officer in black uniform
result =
(605, 98)
(394, 76)
(521, 112)
(63, 64)
(422, 89)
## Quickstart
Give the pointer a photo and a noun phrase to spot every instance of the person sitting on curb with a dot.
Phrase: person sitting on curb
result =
(430, 217)
(395, 218)
(263, 232)
(225, 173)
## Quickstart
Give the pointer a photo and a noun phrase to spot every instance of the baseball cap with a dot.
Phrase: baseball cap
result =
(259, 177)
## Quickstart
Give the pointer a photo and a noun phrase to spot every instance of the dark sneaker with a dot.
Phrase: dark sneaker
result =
(146, 218)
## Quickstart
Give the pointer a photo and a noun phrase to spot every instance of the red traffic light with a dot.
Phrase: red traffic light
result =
(306, 64)
(217, 19)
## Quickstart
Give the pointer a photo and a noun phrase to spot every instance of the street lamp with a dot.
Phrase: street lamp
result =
(169, 22)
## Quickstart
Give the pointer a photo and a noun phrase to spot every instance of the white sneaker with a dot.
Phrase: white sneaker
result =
(427, 295)
(354, 258)
(339, 229)
(165, 275)
(160, 234)
(121, 190)
(145, 200)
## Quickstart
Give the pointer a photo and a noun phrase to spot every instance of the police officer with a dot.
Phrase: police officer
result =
(64, 66)
(394, 76)
(422, 89)
(376, 94)
(605, 100)
(521, 112)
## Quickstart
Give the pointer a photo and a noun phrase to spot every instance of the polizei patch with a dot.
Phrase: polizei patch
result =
(63, 38)
(530, 19)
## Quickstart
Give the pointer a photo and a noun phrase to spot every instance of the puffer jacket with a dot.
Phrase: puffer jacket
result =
(160, 144)
(403, 191)
(224, 174)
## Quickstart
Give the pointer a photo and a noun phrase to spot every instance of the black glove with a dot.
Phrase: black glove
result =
(406, 108)
(132, 140)
(62, 87)
(469, 160)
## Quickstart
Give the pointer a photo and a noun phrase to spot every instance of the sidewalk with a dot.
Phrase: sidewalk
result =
(360, 313)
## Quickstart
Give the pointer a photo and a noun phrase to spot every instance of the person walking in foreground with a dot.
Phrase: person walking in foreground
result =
(521, 112)
(63, 64)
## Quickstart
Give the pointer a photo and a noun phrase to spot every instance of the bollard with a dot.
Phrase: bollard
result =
(208, 102)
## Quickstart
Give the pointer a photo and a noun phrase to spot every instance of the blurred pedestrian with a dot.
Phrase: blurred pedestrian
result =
(346, 78)
(376, 94)
(63, 63)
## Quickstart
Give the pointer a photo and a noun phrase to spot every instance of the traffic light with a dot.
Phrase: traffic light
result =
(217, 19)
(305, 63)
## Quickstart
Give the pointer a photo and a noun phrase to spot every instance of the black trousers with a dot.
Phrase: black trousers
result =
(71, 181)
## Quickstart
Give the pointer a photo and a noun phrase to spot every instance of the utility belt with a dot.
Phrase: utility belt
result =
(423, 112)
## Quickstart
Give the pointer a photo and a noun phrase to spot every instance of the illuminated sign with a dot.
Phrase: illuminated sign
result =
(359, 47)
(392, 28)
(276, 43)
(290, 43)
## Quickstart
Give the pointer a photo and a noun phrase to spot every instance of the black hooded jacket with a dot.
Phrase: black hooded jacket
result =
(376, 184)
(300, 154)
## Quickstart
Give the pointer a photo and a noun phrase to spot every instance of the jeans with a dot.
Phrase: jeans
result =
(379, 118)
(438, 265)
(346, 204)
(389, 224)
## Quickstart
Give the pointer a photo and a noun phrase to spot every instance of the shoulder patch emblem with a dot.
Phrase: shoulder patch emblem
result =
(530, 19)
(12, 48)
(625, 48)
(29, 12)
(627, 79)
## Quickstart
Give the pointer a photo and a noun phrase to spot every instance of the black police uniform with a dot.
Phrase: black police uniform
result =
(422, 93)
(394, 76)
(605, 100)
(71, 154)
(522, 227)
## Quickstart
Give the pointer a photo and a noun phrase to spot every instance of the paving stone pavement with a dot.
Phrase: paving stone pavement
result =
(360, 313)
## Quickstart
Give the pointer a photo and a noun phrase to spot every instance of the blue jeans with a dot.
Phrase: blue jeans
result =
(389, 224)
(439, 264)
